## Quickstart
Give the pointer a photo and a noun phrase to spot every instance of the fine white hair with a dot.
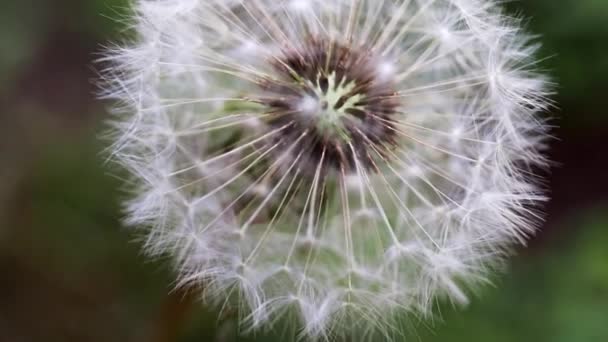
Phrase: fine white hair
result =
(343, 252)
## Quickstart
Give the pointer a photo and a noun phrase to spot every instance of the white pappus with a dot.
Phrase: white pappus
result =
(338, 162)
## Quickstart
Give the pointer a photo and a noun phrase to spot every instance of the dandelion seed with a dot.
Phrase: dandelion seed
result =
(338, 161)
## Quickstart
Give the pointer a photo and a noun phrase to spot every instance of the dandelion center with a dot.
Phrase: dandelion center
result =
(337, 96)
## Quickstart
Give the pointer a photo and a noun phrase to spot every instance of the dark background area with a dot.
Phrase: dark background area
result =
(70, 272)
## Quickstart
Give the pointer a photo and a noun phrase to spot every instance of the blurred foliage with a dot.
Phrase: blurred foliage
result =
(574, 35)
(27, 23)
(559, 296)
(72, 273)
(67, 219)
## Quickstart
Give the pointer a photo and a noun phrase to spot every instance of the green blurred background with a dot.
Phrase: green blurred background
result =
(70, 272)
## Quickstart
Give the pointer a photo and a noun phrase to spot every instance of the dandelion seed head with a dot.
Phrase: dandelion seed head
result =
(337, 162)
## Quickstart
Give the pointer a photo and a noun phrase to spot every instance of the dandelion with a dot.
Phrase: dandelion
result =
(338, 162)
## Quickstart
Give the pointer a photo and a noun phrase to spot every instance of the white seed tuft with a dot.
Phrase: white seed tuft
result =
(338, 161)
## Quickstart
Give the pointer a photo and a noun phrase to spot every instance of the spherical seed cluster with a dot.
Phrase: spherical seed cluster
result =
(340, 161)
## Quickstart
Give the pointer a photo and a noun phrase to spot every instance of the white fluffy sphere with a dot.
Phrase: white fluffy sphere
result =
(339, 161)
